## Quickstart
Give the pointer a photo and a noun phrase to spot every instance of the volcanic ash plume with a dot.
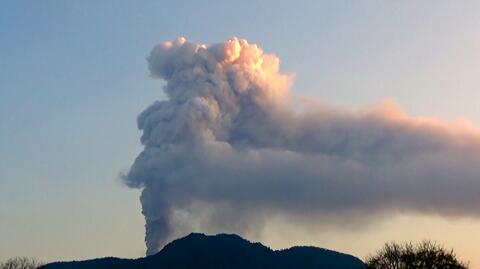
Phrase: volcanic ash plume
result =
(231, 146)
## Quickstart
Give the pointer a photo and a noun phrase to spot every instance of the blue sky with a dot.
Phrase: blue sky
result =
(73, 78)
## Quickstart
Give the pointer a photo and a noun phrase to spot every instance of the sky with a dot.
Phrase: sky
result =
(74, 77)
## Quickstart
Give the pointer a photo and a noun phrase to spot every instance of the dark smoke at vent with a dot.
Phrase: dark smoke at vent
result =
(231, 146)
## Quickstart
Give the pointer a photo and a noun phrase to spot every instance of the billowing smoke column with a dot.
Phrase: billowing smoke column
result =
(230, 145)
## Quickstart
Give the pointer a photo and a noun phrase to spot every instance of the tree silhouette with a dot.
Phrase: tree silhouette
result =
(426, 255)
(20, 263)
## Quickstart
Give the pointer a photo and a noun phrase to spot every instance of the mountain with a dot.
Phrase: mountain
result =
(223, 251)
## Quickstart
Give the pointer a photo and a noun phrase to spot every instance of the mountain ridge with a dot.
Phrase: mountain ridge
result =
(222, 251)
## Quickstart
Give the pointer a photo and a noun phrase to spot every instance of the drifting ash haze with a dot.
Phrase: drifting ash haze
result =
(230, 147)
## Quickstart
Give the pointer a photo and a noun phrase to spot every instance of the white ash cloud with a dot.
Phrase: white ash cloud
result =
(229, 146)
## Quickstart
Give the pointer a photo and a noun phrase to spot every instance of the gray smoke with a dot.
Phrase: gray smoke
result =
(230, 146)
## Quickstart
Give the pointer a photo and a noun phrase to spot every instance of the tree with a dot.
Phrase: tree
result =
(426, 255)
(20, 263)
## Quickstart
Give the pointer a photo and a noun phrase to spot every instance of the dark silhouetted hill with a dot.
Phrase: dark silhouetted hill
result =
(223, 251)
